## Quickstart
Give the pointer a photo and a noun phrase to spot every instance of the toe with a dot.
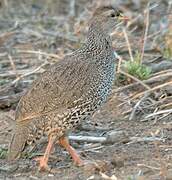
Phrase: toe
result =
(43, 166)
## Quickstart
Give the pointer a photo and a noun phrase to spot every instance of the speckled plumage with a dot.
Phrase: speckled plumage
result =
(68, 91)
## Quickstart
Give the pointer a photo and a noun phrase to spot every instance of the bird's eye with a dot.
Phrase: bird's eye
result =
(112, 15)
(118, 14)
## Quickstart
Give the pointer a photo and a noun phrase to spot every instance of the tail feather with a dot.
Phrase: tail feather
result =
(17, 144)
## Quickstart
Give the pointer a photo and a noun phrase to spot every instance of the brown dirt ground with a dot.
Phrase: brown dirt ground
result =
(124, 159)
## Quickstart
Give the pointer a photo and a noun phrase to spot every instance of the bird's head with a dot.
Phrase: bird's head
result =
(107, 18)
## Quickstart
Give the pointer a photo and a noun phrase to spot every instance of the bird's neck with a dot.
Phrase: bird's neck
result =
(97, 39)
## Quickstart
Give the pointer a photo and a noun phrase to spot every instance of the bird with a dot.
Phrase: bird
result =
(68, 92)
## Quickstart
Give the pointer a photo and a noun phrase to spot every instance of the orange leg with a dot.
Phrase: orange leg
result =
(63, 141)
(43, 160)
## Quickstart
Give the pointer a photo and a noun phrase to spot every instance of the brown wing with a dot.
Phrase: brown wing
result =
(57, 88)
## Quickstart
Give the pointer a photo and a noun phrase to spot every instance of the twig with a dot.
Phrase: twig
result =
(151, 90)
(157, 78)
(162, 72)
(132, 115)
(112, 139)
(166, 104)
(106, 177)
(128, 44)
(159, 112)
(134, 78)
(13, 65)
(40, 53)
(72, 8)
(3, 54)
(22, 76)
(10, 99)
(119, 62)
(11, 74)
(163, 64)
(144, 139)
(88, 139)
(94, 149)
(145, 34)
(150, 167)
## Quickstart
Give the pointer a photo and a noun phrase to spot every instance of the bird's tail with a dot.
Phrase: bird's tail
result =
(17, 143)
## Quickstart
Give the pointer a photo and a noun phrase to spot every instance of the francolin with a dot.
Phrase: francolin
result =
(69, 91)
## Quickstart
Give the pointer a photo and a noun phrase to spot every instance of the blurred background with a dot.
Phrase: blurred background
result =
(37, 33)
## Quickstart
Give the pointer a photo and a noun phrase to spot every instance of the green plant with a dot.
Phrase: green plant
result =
(3, 153)
(135, 68)
(120, 78)
(167, 53)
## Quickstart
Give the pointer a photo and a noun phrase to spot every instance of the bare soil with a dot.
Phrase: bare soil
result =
(125, 159)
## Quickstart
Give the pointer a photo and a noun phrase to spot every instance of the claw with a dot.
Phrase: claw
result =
(43, 166)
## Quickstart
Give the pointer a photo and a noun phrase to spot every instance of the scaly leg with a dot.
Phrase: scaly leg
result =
(43, 160)
(63, 141)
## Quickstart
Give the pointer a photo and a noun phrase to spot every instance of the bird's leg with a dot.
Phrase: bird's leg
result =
(63, 141)
(43, 160)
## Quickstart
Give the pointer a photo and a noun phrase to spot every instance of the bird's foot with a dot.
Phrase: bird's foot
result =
(63, 141)
(43, 166)
(43, 160)
(77, 160)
